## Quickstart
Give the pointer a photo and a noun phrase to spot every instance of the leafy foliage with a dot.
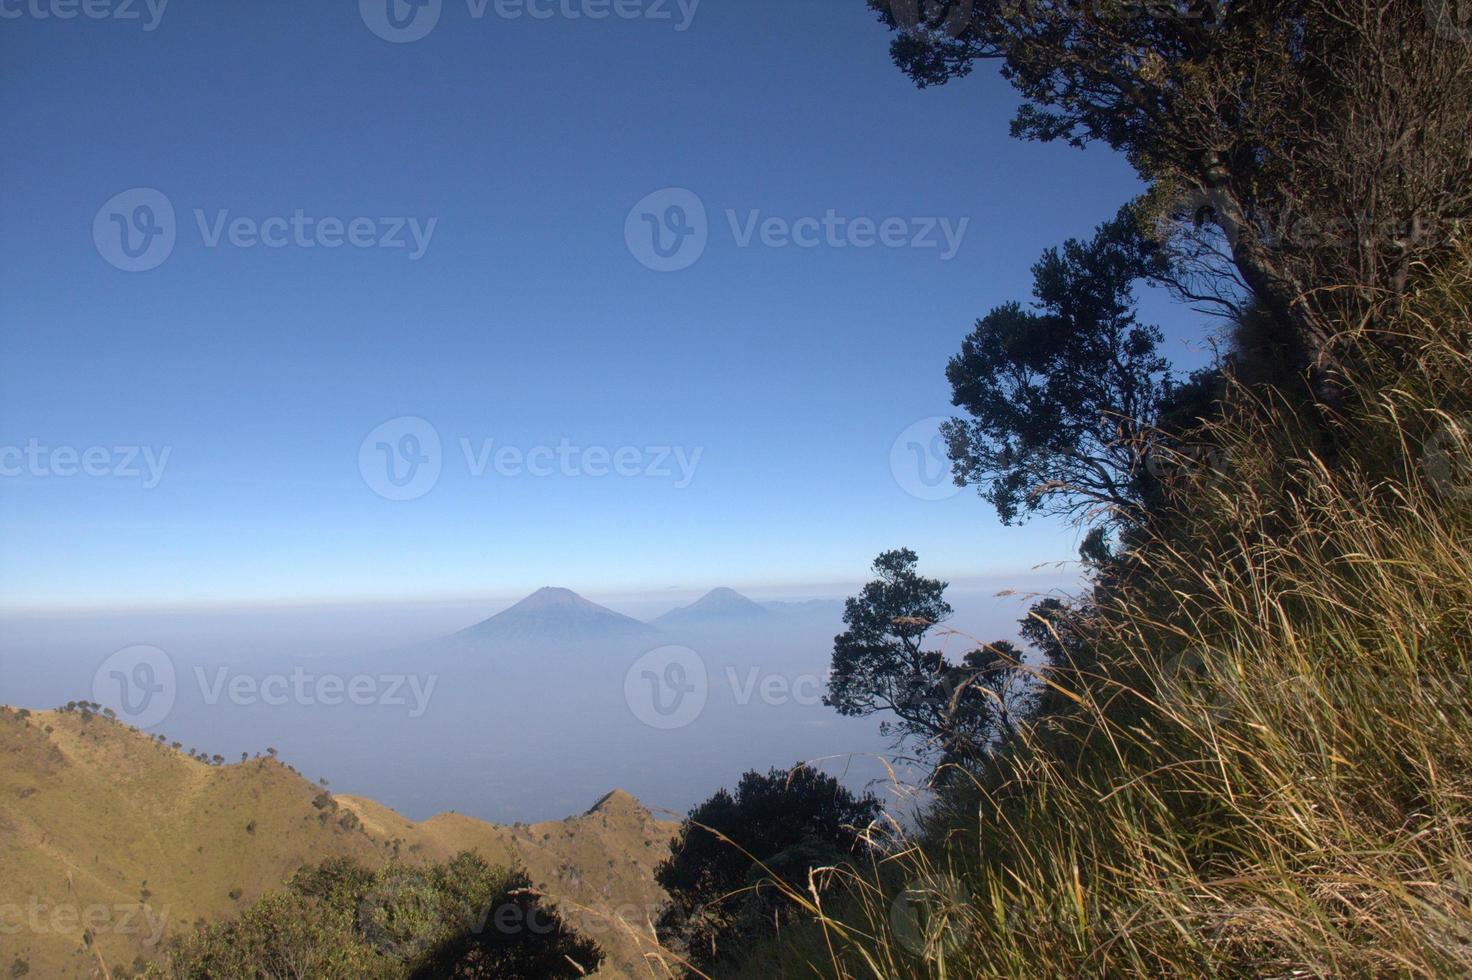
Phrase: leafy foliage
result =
(733, 848)
(461, 919)
(1062, 401)
(941, 708)
(1292, 147)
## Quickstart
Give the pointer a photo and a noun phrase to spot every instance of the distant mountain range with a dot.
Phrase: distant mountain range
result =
(717, 606)
(807, 607)
(557, 616)
(552, 618)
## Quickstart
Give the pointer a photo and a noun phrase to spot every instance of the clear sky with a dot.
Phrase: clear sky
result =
(751, 399)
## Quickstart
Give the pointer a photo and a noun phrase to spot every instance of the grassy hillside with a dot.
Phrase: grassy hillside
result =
(107, 830)
(1260, 763)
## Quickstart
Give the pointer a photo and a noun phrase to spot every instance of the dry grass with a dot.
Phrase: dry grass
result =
(1268, 771)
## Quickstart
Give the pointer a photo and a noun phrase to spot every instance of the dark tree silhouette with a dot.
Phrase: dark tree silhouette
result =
(733, 847)
(945, 710)
(1291, 143)
(1062, 401)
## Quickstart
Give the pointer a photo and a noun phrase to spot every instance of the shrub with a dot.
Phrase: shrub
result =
(738, 856)
(463, 918)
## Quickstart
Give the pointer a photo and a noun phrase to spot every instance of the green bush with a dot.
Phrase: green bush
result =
(462, 918)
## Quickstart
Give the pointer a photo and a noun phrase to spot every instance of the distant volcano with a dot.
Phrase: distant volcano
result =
(556, 616)
(718, 606)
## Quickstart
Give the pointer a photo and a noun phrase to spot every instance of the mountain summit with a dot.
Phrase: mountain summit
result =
(717, 606)
(555, 615)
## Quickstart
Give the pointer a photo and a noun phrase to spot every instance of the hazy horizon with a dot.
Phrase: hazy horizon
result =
(585, 730)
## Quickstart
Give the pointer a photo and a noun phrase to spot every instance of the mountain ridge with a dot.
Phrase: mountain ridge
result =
(104, 817)
(719, 605)
(554, 614)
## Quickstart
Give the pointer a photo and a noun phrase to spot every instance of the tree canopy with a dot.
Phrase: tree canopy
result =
(1062, 399)
(1298, 147)
(733, 848)
(943, 709)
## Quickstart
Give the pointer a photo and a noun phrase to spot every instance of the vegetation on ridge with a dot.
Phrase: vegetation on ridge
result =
(1246, 748)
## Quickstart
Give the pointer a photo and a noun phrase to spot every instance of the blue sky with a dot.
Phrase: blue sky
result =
(528, 319)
